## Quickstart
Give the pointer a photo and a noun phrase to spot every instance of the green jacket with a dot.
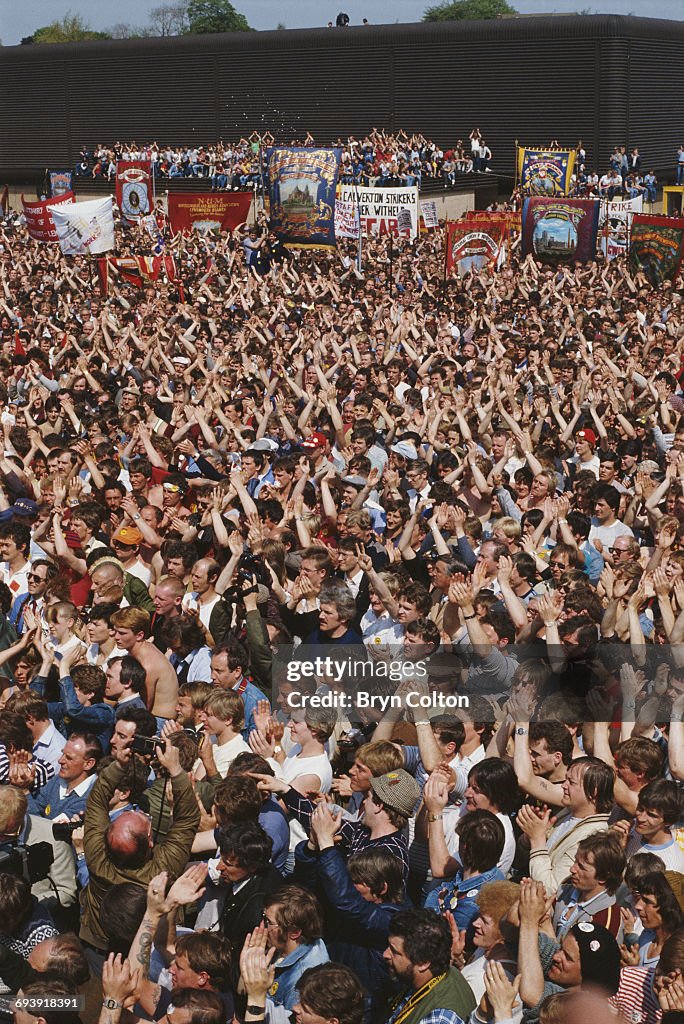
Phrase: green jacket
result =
(449, 991)
(137, 594)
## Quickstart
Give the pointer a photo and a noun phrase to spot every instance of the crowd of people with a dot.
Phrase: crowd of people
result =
(478, 485)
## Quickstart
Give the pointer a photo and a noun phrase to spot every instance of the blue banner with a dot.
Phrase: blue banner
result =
(302, 185)
(545, 172)
(60, 183)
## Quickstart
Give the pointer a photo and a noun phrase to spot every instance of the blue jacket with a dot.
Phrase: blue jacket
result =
(47, 804)
(69, 715)
(459, 895)
(289, 970)
(360, 928)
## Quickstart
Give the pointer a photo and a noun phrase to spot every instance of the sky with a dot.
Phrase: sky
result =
(19, 19)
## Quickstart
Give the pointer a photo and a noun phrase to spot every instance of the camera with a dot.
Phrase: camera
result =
(63, 830)
(146, 745)
(30, 862)
(253, 565)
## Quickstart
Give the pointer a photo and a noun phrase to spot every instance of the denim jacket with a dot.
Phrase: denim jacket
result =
(289, 970)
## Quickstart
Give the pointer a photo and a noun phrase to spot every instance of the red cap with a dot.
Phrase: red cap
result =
(587, 435)
(315, 440)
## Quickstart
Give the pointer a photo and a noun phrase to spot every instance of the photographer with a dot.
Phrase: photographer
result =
(123, 850)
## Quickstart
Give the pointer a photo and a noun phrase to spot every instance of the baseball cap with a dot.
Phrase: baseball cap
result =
(314, 441)
(128, 535)
(24, 507)
(586, 434)
(397, 790)
(405, 448)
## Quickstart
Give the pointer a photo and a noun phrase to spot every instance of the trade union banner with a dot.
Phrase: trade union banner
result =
(134, 188)
(473, 243)
(615, 221)
(302, 185)
(60, 183)
(656, 246)
(545, 172)
(560, 230)
(385, 211)
(137, 270)
(85, 227)
(208, 211)
(39, 222)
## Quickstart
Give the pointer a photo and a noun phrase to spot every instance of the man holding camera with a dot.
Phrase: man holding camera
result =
(124, 850)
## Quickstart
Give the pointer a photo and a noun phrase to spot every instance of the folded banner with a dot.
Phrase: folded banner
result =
(39, 222)
(85, 227)
(474, 243)
(615, 221)
(206, 211)
(545, 172)
(556, 230)
(302, 186)
(656, 246)
(385, 211)
(428, 211)
(60, 183)
(134, 188)
(346, 220)
(137, 270)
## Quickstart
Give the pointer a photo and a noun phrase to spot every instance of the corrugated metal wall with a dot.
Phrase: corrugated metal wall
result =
(609, 80)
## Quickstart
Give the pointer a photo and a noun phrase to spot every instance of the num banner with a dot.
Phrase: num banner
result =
(472, 244)
(385, 211)
(60, 183)
(207, 211)
(302, 185)
(545, 172)
(134, 188)
(560, 230)
(656, 246)
(39, 222)
(615, 221)
(137, 270)
(85, 227)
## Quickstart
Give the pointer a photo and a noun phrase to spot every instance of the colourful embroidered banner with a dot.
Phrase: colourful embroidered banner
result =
(302, 186)
(134, 188)
(208, 211)
(60, 183)
(384, 211)
(545, 172)
(474, 243)
(558, 230)
(656, 246)
(39, 222)
(615, 221)
(85, 227)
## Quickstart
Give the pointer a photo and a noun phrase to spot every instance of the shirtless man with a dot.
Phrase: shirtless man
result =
(131, 628)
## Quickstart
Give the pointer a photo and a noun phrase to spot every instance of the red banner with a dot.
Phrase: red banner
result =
(39, 223)
(473, 243)
(137, 270)
(134, 188)
(209, 211)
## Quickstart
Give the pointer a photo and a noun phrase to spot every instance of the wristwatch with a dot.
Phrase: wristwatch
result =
(434, 817)
(137, 515)
(111, 1004)
(520, 731)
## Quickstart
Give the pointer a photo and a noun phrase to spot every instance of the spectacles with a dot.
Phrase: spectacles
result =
(618, 551)
(37, 579)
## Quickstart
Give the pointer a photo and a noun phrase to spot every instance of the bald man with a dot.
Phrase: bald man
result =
(168, 604)
(112, 585)
(124, 850)
(206, 601)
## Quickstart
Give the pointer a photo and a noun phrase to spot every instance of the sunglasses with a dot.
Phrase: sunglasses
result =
(37, 579)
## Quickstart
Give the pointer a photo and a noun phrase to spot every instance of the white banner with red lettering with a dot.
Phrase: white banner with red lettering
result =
(384, 211)
(615, 222)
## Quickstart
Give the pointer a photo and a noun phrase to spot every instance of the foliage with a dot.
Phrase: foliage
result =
(468, 10)
(71, 29)
(169, 20)
(215, 16)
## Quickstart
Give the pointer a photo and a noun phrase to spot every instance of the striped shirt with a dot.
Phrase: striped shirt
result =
(44, 771)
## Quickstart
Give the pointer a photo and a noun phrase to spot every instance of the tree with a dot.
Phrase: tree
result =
(468, 10)
(71, 29)
(169, 20)
(122, 30)
(215, 16)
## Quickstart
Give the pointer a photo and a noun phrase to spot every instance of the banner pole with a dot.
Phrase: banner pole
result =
(391, 256)
(515, 166)
(444, 271)
(359, 257)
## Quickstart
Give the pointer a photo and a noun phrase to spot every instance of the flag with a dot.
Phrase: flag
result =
(559, 230)
(302, 184)
(60, 183)
(473, 243)
(208, 211)
(137, 270)
(545, 172)
(85, 227)
(656, 246)
(39, 220)
(134, 188)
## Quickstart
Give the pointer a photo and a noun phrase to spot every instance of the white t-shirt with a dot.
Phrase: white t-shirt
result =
(294, 767)
(671, 854)
(452, 815)
(225, 754)
(608, 534)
